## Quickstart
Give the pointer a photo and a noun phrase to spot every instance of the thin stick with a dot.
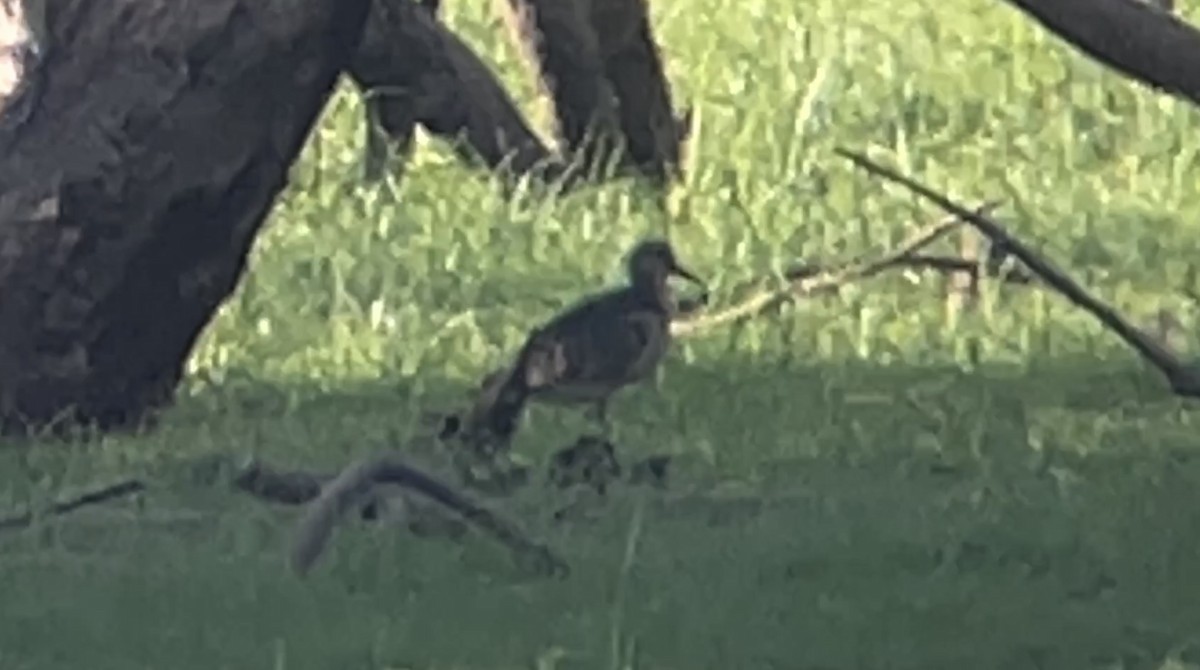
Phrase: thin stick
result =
(122, 488)
(806, 281)
(951, 265)
(1183, 379)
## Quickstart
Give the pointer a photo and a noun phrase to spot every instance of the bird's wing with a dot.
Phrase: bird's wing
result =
(608, 340)
(566, 349)
(641, 342)
(615, 348)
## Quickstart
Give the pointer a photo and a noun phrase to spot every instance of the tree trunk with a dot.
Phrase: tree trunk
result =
(599, 61)
(413, 70)
(137, 162)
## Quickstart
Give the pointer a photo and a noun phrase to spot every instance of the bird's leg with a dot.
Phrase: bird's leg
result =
(598, 413)
(601, 411)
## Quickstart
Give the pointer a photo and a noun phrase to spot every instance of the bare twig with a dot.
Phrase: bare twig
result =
(807, 280)
(122, 488)
(1183, 379)
(947, 265)
(954, 265)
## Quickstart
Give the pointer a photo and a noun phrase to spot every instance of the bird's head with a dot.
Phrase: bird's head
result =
(652, 261)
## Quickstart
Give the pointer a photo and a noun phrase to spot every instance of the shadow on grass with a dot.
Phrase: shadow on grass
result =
(820, 517)
(744, 413)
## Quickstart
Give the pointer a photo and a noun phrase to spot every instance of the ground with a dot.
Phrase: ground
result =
(1009, 490)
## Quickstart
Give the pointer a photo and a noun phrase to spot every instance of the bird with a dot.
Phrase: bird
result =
(582, 356)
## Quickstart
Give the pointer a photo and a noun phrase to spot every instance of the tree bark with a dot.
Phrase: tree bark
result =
(1138, 39)
(144, 159)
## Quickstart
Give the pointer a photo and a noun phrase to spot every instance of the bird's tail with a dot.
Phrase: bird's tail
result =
(504, 393)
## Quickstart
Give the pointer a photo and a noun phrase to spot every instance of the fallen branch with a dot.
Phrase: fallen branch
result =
(807, 280)
(355, 487)
(1137, 39)
(94, 497)
(1183, 379)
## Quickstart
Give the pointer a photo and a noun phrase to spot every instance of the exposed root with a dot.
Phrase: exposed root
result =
(94, 497)
(807, 280)
(356, 487)
(1183, 379)
(416, 71)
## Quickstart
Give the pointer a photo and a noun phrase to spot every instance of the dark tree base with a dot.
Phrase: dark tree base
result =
(157, 138)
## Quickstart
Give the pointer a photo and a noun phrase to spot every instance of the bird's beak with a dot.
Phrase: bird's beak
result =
(681, 271)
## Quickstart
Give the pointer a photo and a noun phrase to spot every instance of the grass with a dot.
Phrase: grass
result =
(1009, 490)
